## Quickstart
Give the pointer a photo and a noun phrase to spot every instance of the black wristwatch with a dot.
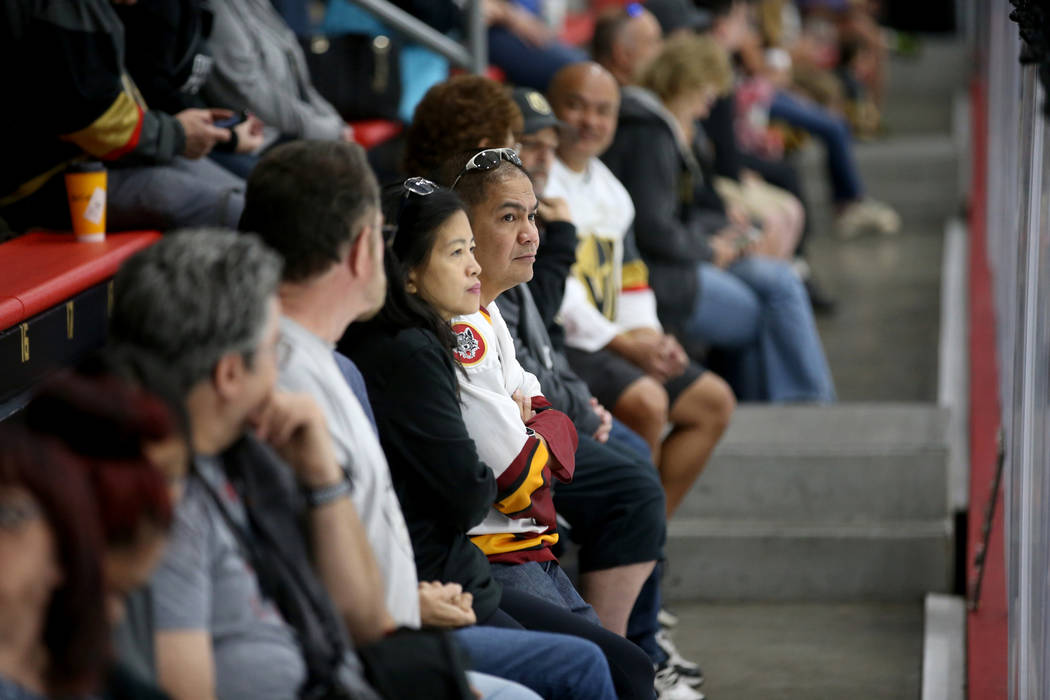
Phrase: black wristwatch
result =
(324, 495)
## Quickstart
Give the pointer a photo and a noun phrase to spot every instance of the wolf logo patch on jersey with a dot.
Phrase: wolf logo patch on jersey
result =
(470, 344)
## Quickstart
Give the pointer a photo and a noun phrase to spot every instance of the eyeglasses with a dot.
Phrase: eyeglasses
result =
(16, 512)
(419, 186)
(488, 160)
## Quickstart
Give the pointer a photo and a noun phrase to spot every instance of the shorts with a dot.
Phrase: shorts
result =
(608, 375)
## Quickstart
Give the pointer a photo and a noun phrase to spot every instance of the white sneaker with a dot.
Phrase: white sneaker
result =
(867, 215)
(667, 619)
(889, 219)
(688, 671)
(670, 686)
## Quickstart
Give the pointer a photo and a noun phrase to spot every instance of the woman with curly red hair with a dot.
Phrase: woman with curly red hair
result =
(463, 113)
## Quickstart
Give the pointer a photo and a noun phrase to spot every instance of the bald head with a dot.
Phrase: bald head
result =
(587, 98)
(625, 42)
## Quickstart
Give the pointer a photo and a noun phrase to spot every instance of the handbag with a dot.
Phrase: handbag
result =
(359, 74)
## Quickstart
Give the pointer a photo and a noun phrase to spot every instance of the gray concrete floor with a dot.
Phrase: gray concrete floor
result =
(882, 342)
(760, 651)
(882, 345)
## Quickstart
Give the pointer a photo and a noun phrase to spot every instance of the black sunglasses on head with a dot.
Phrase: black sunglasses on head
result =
(487, 160)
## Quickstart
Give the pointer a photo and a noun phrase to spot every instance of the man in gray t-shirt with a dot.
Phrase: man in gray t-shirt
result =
(204, 303)
(206, 583)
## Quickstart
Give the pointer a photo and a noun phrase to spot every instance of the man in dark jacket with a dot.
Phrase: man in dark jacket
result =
(78, 102)
(169, 59)
(606, 466)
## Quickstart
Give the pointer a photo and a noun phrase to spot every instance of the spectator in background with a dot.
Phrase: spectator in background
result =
(52, 612)
(259, 66)
(855, 213)
(753, 182)
(625, 40)
(464, 112)
(778, 213)
(204, 303)
(615, 339)
(79, 102)
(168, 57)
(715, 283)
(524, 43)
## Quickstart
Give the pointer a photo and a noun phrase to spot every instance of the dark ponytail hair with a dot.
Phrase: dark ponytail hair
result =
(418, 217)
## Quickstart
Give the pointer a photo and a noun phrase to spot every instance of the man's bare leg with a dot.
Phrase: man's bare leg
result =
(643, 408)
(700, 415)
(612, 592)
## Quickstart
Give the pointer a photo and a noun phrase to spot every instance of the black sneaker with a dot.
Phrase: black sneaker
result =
(669, 685)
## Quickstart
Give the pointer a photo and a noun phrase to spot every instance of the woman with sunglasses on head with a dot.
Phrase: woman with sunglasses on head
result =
(406, 354)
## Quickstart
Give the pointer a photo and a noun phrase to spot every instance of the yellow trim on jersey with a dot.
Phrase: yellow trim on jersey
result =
(505, 542)
(112, 130)
(521, 497)
(635, 275)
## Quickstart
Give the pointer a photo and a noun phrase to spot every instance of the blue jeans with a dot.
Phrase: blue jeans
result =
(493, 688)
(759, 309)
(545, 580)
(833, 132)
(557, 666)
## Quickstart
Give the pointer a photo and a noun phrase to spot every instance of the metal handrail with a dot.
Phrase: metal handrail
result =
(474, 56)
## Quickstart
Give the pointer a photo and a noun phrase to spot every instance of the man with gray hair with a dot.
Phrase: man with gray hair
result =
(242, 603)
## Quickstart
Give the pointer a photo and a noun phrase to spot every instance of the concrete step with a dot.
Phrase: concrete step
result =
(909, 114)
(917, 174)
(837, 464)
(942, 65)
(804, 651)
(792, 561)
(926, 163)
(842, 502)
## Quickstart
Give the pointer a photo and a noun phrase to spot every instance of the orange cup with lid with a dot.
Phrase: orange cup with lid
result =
(86, 190)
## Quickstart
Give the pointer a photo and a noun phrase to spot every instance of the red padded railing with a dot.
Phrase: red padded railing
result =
(41, 270)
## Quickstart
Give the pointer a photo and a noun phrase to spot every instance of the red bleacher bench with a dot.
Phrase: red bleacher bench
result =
(55, 297)
(372, 132)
